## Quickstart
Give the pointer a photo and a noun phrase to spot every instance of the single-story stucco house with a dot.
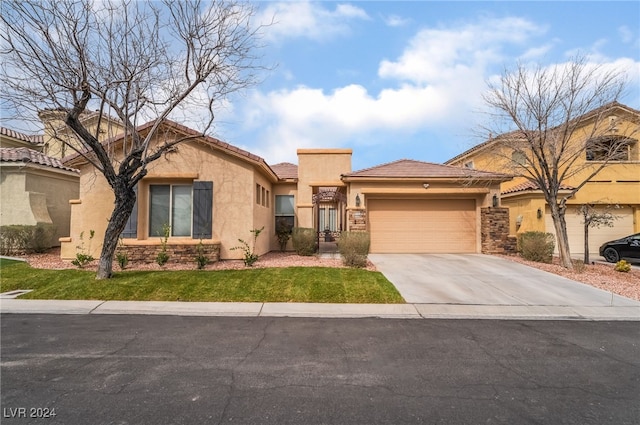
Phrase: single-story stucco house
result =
(212, 192)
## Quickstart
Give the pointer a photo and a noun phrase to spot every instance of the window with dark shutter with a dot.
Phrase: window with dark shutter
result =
(202, 210)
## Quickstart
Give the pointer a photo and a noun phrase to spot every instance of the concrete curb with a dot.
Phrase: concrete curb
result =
(387, 311)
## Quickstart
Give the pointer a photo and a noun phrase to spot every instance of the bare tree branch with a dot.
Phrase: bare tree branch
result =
(132, 61)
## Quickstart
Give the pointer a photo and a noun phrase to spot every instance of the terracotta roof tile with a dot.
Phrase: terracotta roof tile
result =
(285, 170)
(408, 168)
(528, 185)
(27, 156)
(36, 139)
(189, 132)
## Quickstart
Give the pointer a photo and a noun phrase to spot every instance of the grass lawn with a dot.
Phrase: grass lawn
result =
(291, 284)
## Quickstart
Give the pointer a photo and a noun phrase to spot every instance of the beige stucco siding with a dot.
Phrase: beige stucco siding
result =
(234, 213)
(34, 194)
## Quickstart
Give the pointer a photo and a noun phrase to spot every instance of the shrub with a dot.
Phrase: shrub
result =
(121, 255)
(26, 238)
(283, 233)
(536, 246)
(163, 255)
(83, 254)
(622, 266)
(578, 266)
(201, 259)
(305, 240)
(354, 248)
(250, 257)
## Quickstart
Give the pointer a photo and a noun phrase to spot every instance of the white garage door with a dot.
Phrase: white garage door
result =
(422, 226)
(622, 226)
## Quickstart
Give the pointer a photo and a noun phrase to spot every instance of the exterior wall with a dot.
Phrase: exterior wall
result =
(32, 195)
(263, 212)
(494, 231)
(318, 168)
(233, 199)
(523, 213)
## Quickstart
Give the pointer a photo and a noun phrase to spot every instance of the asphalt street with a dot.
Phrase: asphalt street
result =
(101, 369)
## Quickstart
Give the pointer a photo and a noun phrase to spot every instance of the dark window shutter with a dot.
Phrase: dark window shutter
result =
(131, 228)
(202, 210)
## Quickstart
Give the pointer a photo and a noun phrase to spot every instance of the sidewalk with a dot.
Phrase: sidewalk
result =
(386, 311)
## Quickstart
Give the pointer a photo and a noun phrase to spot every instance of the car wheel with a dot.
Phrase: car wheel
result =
(611, 255)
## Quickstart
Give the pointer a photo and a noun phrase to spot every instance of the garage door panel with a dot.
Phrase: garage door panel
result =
(422, 226)
(622, 226)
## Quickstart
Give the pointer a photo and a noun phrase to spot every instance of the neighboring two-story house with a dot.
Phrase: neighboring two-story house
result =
(616, 188)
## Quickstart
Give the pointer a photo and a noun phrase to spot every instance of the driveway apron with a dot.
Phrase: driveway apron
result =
(477, 279)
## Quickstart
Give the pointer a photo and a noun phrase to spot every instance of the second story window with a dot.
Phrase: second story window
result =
(609, 148)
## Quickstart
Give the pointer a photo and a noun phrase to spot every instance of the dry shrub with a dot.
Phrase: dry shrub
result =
(354, 248)
(536, 246)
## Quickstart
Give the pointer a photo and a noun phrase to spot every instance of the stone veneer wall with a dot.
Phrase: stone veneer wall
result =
(357, 220)
(494, 230)
(177, 253)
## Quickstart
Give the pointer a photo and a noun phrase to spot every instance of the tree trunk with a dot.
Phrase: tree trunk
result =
(125, 200)
(557, 213)
(586, 241)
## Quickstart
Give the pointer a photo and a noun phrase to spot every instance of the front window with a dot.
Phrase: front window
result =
(285, 211)
(170, 205)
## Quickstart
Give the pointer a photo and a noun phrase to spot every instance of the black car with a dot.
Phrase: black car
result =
(627, 247)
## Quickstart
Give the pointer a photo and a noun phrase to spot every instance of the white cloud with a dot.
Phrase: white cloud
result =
(308, 20)
(626, 35)
(395, 21)
(434, 53)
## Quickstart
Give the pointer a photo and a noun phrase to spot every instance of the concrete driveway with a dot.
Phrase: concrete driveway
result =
(476, 279)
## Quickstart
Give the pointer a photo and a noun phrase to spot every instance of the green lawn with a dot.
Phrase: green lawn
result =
(291, 284)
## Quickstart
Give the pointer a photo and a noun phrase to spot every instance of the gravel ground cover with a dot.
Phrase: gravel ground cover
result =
(602, 276)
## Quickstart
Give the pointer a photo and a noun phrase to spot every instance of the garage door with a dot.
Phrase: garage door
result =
(622, 226)
(422, 226)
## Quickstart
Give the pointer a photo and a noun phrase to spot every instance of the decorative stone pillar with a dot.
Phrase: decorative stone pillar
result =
(494, 231)
(357, 220)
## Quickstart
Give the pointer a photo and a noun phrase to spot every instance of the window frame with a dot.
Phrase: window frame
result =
(170, 208)
(289, 217)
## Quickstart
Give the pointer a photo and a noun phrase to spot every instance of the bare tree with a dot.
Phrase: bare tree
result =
(550, 121)
(591, 217)
(135, 61)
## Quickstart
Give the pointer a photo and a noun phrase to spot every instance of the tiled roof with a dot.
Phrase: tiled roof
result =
(172, 125)
(285, 170)
(27, 155)
(515, 133)
(408, 168)
(529, 185)
(36, 139)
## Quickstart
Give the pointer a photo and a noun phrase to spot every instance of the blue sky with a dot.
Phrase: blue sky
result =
(394, 80)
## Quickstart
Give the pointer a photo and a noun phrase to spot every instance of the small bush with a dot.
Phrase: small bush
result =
(163, 255)
(622, 266)
(250, 257)
(83, 254)
(201, 259)
(578, 266)
(536, 246)
(354, 248)
(16, 239)
(305, 240)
